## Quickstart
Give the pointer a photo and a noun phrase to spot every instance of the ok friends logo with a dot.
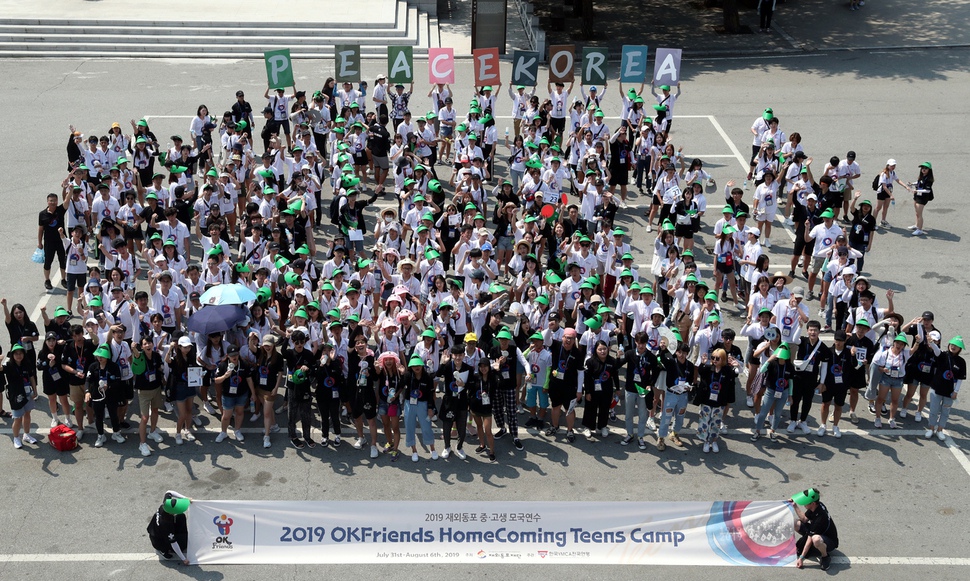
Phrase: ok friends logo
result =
(222, 524)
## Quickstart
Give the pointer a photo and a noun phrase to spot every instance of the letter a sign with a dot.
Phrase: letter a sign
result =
(279, 68)
(666, 67)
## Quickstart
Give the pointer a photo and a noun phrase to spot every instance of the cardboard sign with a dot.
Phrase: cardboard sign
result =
(633, 63)
(400, 64)
(487, 71)
(441, 65)
(279, 68)
(347, 63)
(562, 59)
(666, 67)
(525, 68)
(593, 71)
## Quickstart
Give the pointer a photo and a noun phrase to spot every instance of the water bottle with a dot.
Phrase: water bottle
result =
(506, 132)
(892, 202)
(745, 186)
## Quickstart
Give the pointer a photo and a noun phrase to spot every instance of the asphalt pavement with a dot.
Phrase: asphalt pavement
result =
(897, 498)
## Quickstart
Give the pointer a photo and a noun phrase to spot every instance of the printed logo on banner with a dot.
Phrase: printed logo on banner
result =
(543, 554)
(223, 524)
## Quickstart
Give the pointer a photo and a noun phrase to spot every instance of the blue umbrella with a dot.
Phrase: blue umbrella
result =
(227, 294)
(216, 318)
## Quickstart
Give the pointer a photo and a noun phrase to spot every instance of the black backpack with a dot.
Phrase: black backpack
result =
(335, 210)
(875, 182)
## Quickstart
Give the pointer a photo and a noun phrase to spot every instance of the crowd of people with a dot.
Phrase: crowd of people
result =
(402, 282)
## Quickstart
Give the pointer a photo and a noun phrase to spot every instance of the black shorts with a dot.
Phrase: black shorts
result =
(75, 281)
(364, 406)
(620, 178)
(882, 195)
(830, 545)
(126, 392)
(657, 200)
(799, 247)
(560, 396)
(836, 392)
(57, 387)
(684, 231)
(285, 126)
(482, 411)
(558, 124)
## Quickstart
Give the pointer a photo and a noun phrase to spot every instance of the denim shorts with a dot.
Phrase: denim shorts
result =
(230, 401)
(20, 413)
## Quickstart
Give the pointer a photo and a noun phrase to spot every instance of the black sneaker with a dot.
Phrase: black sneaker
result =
(531, 423)
(297, 443)
(48, 285)
(551, 430)
(64, 283)
(825, 562)
(517, 443)
(491, 457)
(310, 443)
(480, 449)
(612, 416)
(499, 434)
(791, 274)
(570, 437)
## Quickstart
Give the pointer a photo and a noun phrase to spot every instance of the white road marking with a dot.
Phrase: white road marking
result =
(35, 314)
(958, 453)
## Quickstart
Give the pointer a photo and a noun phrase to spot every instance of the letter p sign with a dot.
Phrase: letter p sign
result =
(279, 68)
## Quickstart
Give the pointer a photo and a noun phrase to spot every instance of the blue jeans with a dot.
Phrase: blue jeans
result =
(635, 401)
(771, 401)
(940, 407)
(641, 171)
(412, 415)
(515, 176)
(675, 405)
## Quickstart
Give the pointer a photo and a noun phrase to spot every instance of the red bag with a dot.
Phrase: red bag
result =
(63, 438)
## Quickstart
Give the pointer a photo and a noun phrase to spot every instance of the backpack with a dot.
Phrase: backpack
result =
(875, 182)
(334, 212)
(63, 438)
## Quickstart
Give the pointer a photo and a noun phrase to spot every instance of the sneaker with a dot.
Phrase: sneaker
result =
(297, 443)
(767, 243)
(892, 424)
(918, 233)
(54, 422)
(755, 436)
(336, 441)
(274, 429)
(826, 328)
(324, 443)
(169, 408)
(446, 453)
(940, 436)
(649, 228)
(749, 401)
(499, 434)
(18, 444)
(714, 448)
(626, 440)
(531, 422)
(414, 457)
(651, 424)
(551, 430)
(724, 428)
(613, 417)
(789, 222)
(518, 444)
(48, 285)
(821, 431)
(836, 432)
(824, 562)
(178, 438)
(156, 435)
(903, 413)
(197, 421)
(853, 418)
(188, 437)
(461, 454)
(605, 432)
(239, 436)
(221, 437)
(918, 416)
(913, 227)
(102, 439)
(878, 422)
(707, 447)
(266, 443)
(434, 455)
(928, 434)
(374, 452)
(661, 444)
(772, 435)
(145, 450)
(358, 443)
(885, 224)
(804, 428)
(791, 427)
(811, 296)
(480, 449)
(310, 443)
(491, 457)
(872, 408)
(570, 437)
(676, 440)
(209, 409)
(115, 436)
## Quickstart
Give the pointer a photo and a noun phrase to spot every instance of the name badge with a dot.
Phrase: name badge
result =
(262, 380)
(413, 400)
(485, 399)
(150, 376)
(636, 377)
(55, 374)
(335, 394)
(597, 386)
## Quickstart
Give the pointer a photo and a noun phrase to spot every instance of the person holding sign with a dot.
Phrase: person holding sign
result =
(817, 529)
(280, 105)
(665, 99)
(559, 99)
(168, 530)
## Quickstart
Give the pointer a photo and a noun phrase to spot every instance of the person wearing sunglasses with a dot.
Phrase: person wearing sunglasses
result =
(718, 376)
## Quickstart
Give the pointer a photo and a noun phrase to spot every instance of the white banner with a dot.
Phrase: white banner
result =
(758, 533)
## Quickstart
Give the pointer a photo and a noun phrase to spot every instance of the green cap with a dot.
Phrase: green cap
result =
(542, 300)
(61, 312)
(925, 164)
(292, 279)
(354, 317)
(96, 302)
(504, 334)
(553, 278)
(103, 351)
(536, 337)
(176, 506)
(215, 250)
(431, 253)
(333, 313)
(805, 497)
(690, 278)
(764, 311)
(593, 323)
(301, 312)
(604, 310)
(866, 202)
(313, 305)
(828, 213)
(713, 318)
(303, 249)
(429, 333)
(282, 261)
(212, 173)
(242, 267)
(416, 361)
(711, 296)
(958, 341)
(496, 288)
(863, 322)
(263, 294)
(19, 347)
(902, 338)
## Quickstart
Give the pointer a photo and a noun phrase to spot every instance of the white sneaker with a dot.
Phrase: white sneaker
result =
(169, 408)
(804, 428)
(144, 449)
(836, 432)
(918, 416)
(928, 434)
(30, 439)
(274, 429)
(208, 408)
(791, 427)
(117, 437)
(767, 243)
(714, 448)
(724, 428)
(239, 436)
(789, 222)
(707, 447)
(187, 436)
(101, 440)
(178, 439)
(221, 437)
(336, 441)
(940, 436)
(892, 424)
(918, 233)
(358, 443)
(878, 422)
(903, 413)
(749, 401)
(913, 227)
(605, 432)
(374, 452)
(156, 435)
(414, 457)
(266, 443)
(434, 454)
(54, 422)
(821, 431)
(19, 444)
(253, 418)
(445, 453)
(197, 421)
(651, 424)
(461, 454)
(649, 228)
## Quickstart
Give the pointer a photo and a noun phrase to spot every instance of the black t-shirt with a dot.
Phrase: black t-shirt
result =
(641, 369)
(948, 369)
(235, 385)
(813, 363)
(50, 222)
(863, 225)
(566, 365)
(379, 142)
(820, 523)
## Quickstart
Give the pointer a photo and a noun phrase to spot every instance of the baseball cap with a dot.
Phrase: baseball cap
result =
(805, 497)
